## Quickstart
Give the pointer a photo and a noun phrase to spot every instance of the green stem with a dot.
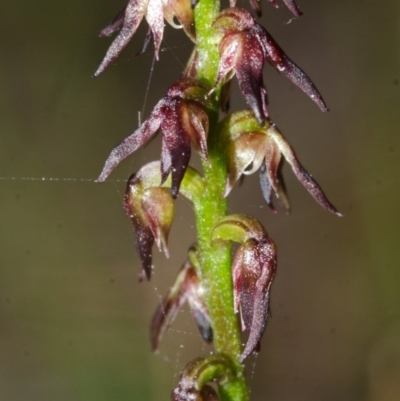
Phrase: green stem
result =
(212, 207)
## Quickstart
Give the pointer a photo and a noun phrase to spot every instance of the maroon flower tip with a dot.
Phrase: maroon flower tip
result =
(115, 25)
(292, 6)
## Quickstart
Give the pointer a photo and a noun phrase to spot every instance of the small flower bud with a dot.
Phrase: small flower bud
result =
(193, 381)
(158, 208)
(253, 271)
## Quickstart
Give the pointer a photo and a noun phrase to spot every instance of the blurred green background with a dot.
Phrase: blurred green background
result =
(73, 318)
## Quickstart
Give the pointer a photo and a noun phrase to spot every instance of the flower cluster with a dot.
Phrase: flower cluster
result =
(242, 143)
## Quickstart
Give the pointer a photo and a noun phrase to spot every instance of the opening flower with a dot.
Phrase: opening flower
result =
(151, 211)
(150, 208)
(252, 147)
(244, 49)
(155, 11)
(181, 117)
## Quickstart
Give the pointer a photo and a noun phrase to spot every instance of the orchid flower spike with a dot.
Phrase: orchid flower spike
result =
(187, 287)
(252, 147)
(244, 49)
(128, 20)
(253, 270)
(182, 118)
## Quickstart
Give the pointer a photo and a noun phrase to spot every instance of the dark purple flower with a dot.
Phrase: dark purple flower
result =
(181, 117)
(244, 48)
(128, 20)
(253, 271)
(187, 287)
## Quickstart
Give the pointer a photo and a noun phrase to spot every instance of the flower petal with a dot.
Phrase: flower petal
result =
(169, 307)
(230, 49)
(158, 208)
(282, 63)
(144, 238)
(183, 11)
(292, 6)
(134, 13)
(155, 18)
(176, 145)
(132, 142)
(246, 150)
(187, 287)
(197, 127)
(302, 175)
(266, 187)
(115, 25)
(202, 318)
(249, 73)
